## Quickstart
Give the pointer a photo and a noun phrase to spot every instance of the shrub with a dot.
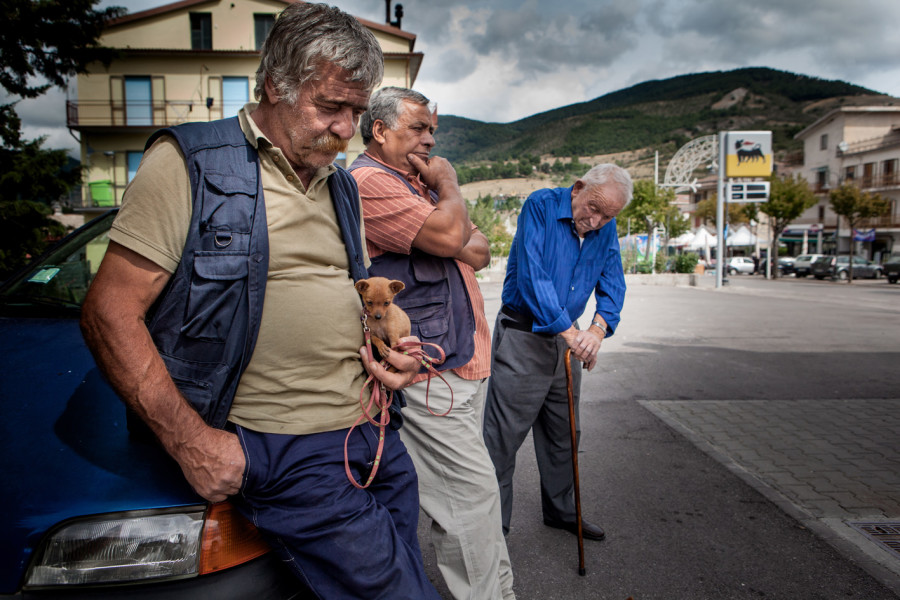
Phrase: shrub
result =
(686, 263)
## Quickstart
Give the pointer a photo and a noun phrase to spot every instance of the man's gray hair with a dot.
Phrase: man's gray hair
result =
(386, 105)
(306, 36)
(609, 173)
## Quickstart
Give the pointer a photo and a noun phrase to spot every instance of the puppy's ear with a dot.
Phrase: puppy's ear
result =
(396, 286)
(362, 285)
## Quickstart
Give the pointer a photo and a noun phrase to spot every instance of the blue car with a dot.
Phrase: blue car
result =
(93, 507)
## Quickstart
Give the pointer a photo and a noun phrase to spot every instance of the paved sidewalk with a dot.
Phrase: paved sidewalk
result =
(790, 385)
(832, 464)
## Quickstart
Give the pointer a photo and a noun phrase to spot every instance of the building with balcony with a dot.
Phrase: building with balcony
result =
(861, 145)
(193, 60)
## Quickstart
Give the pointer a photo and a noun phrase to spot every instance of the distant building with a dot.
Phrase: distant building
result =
(193, 60)
(861, 145)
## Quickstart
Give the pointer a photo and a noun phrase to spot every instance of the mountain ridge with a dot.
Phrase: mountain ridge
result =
(662, 114)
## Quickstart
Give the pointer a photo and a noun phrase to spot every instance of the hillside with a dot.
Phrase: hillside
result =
(659, 115)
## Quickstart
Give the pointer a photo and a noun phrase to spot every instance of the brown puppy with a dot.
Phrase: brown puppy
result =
(387, 321)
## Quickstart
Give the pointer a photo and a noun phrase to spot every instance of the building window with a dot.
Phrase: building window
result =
(850, 173)
(262, 24)
(822, 179)
(868, 175)
(821, 213)
(235, 95)
(138, 101)
(823, 142)
(134, 161)
(889, 171)
(201, 31)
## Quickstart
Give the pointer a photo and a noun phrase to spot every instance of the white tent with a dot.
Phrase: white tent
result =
(703, 239)
(682, 240)
(741, 237)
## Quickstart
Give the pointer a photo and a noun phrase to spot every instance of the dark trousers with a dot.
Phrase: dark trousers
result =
(527, 392)
(342, 542)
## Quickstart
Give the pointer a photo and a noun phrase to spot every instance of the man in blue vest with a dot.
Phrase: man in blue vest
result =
(418, 230)
(224, 314)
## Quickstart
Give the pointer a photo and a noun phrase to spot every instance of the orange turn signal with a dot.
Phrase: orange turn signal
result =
(228, 539)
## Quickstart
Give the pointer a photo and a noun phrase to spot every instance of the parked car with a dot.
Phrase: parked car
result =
(785, 266)
(93, 506)
(740, 264)
(838, 267)
(892, 269)
(803, 263)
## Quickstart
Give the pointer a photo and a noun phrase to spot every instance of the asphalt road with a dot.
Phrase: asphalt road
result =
(730, 438)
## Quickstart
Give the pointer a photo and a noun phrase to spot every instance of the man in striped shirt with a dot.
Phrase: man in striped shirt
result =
(415, 216)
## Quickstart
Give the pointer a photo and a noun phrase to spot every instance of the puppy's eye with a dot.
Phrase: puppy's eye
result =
(387, 303)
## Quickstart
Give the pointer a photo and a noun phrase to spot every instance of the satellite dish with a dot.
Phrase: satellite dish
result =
(843, 146)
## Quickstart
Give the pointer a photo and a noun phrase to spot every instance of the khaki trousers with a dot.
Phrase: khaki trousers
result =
(458, 487)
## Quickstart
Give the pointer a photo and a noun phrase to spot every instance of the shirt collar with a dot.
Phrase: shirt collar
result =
(414, 180)
(251, 130)
(564, 208)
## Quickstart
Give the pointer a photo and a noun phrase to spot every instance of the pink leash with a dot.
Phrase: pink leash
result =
(381, 398)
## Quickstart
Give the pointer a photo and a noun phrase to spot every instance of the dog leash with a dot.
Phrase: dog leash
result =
(381, 398)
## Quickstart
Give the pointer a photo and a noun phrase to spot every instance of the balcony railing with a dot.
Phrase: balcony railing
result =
(871, 182)
(105, 113)
(879, 143)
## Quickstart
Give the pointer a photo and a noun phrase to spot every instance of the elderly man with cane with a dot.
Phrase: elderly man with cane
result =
(565, 248)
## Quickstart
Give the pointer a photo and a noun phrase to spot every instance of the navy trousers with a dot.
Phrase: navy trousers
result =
(342, 542)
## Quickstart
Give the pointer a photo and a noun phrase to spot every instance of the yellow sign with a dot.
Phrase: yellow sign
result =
(748, 154)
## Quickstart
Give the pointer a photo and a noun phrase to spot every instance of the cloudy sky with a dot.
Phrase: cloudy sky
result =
(502, 60)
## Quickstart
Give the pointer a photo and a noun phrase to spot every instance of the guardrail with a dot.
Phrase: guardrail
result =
(107, 113)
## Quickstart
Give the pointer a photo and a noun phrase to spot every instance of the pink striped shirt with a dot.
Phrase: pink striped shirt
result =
(392, 218)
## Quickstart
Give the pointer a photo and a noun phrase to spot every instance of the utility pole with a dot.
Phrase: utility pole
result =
(720, 212)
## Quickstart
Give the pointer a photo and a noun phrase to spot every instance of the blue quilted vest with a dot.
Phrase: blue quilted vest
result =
(206, 321)
(435, 297)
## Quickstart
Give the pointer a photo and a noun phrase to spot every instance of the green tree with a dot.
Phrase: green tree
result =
(789, 197)
(734, 213)
(855, 205)
(652, 207)
(484, 214)
(42, 43)
(24, 230)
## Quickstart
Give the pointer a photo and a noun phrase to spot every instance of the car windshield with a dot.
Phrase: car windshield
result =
(893, 260)
(55, 284)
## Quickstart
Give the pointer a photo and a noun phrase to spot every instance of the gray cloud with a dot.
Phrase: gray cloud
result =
(503, 60)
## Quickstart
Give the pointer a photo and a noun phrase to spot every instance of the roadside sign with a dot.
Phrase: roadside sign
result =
(748, 153)
(752, 191)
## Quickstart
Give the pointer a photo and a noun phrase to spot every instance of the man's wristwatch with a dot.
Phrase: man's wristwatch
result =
(600, 325)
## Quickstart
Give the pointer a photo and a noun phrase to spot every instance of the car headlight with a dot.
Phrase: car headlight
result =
(147, 545)
(107, 549)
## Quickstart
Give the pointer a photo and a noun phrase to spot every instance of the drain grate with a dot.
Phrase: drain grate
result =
(886, 535)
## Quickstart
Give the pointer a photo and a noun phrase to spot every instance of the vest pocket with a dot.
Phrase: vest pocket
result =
(430, 322)
(196, 381)
(217, 289)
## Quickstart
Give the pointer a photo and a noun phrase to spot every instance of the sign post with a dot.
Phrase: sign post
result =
(741, 154)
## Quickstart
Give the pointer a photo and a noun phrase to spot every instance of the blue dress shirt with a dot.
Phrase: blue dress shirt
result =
(551, 273)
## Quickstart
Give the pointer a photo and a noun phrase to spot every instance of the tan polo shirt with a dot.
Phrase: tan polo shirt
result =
(305, 374)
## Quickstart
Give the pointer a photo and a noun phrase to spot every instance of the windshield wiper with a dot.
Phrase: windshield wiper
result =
(25, 299)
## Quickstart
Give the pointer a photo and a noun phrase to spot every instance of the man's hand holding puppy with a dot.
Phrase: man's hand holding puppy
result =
(407, 367)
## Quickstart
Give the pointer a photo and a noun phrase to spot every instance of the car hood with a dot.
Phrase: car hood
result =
(65, 443)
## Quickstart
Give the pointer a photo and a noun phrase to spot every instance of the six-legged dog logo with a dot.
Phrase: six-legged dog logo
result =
(749, 152)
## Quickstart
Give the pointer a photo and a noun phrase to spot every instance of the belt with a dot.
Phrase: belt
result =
(516, 320)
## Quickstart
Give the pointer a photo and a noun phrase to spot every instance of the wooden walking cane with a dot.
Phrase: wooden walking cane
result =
(569, 386)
